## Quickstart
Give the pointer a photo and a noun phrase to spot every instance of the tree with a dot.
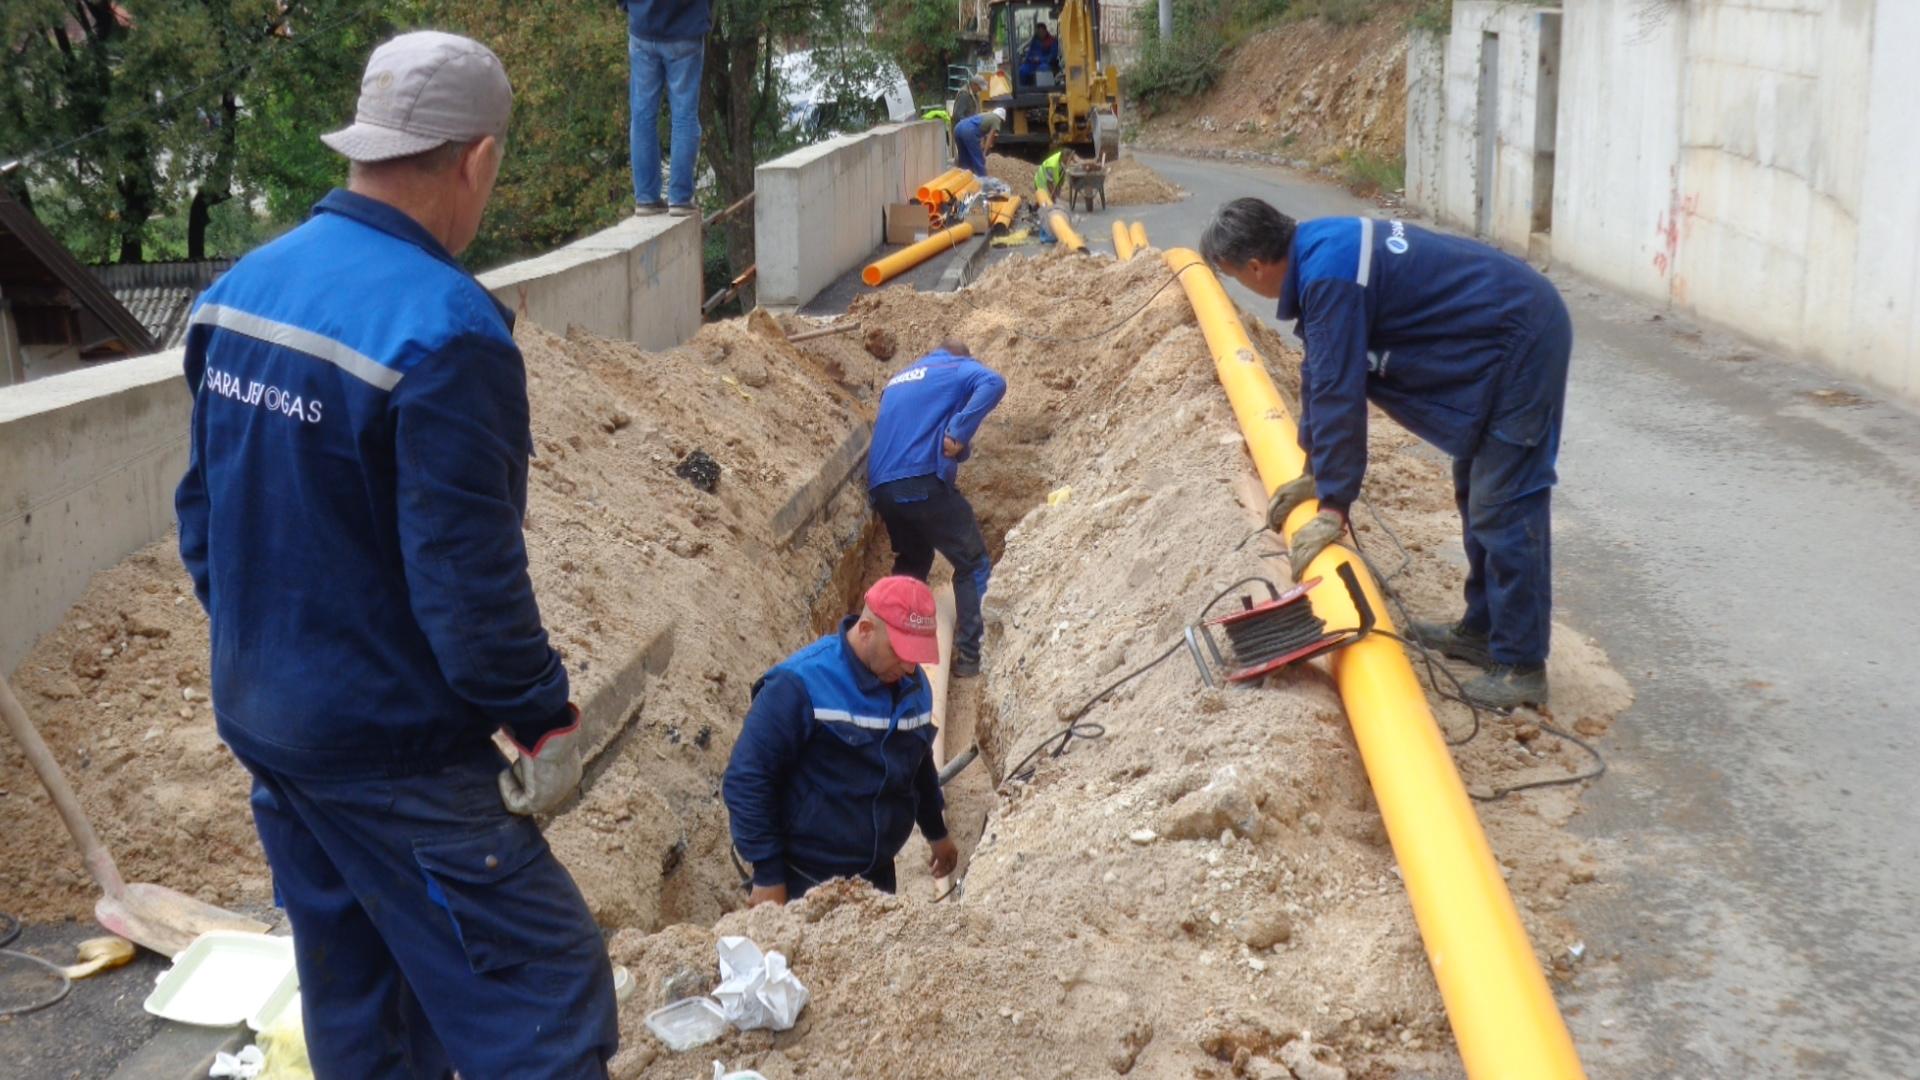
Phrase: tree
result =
(921, 36)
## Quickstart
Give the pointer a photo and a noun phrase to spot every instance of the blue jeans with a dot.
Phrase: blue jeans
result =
(433, 930)
(1505, 492)
(967, 153)
(672, 67)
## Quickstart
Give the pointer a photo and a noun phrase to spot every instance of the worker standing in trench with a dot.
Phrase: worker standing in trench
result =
(1464, 345)
(929, 413)
(834, 764)
(352, 518)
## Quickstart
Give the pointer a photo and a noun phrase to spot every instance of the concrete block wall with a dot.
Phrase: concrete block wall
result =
(88, 464)
(89, 460)
(638, 281)
(1751, 163)
(818, 212)
(1426, 119)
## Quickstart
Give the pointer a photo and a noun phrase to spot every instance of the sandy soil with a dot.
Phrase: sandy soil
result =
(1204, 891)
(1302, 89)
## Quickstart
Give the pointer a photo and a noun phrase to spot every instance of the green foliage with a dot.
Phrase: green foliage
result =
(920, 35)
(1337, 12)
(1204, 31)
(1433, 15)
(1369, 174)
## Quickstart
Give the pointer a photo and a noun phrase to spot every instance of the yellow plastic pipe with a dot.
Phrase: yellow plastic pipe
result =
(1123, 245)
(1064, 232)
(909, 257)
(1043, 197)
(1139, 233)
(1000, 212)
(925, 192)
(1503, 1014)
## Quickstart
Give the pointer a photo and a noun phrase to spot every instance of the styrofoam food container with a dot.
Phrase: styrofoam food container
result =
(688, 1023)
(284, 1001)
(222, 978)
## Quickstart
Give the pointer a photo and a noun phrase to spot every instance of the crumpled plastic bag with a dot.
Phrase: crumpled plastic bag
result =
(286, 1043)
(244, 1065)
(720, 1073)
(757, 990)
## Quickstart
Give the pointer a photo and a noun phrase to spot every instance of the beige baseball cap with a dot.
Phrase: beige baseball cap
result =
(423, 90)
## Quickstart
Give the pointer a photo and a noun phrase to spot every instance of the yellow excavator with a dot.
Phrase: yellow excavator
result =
(1056, 95)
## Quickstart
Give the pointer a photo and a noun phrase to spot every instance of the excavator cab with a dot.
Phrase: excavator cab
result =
(1046, 72)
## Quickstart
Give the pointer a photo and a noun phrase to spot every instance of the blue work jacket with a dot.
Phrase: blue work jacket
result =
(833, 767)
(938, 395)
(668, 20)
(351, 513)
(1428, 326)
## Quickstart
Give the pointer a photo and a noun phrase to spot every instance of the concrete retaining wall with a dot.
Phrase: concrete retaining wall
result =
(1750, 163)
(818, 211)
(89, 459)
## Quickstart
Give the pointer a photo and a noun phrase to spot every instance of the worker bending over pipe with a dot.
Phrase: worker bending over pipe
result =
(1466, 347)
(973, 139)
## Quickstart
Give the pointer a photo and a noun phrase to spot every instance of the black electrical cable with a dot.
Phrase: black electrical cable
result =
(1459, 695)
(9, 928)
(66, 984)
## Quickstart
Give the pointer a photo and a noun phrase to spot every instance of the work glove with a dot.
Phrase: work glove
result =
(546, 774)
(1287, 496)
(1322, 529)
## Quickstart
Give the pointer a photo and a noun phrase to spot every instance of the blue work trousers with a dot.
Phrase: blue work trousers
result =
(923, 515)
(1504, 492)
(672, 67)
(966, 150)
(433, 930)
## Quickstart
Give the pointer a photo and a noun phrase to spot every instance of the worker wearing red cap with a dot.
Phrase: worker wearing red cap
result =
(834, 764)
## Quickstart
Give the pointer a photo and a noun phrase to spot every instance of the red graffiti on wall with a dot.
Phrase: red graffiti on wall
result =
(1674, 224)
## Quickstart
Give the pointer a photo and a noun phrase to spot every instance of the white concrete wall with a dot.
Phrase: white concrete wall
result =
(88, 464)
(638, 281)
(818, 211)
(89, 460)
(1426, 118)
(1752, 162)
(1452, 191)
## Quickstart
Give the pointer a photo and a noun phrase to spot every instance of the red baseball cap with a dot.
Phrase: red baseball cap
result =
(905, 605)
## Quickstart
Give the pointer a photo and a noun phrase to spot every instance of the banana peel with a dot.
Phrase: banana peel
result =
(99, 954)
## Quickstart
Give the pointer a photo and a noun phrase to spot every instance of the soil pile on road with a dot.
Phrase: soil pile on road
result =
(1129, 182)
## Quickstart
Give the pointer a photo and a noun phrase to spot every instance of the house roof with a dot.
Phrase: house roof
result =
(161, 295)
(33, 261)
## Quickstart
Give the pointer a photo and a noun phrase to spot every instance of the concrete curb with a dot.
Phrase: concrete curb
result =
(181, 1050)
(961, 271)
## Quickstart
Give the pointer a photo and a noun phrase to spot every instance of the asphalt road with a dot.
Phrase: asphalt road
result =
(1740, 530)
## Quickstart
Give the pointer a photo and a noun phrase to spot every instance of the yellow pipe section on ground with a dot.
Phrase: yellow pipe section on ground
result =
(909, 257)
(1139, 234)
(1064, 232)
(1000, 212)
(1503, 1014)
(1043, 197)
(945, 179)
(1123, 245)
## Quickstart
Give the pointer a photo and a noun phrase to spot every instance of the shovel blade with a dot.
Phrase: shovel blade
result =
(166, 920)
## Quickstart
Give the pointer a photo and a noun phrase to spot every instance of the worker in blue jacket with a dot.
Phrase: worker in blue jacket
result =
(1042, 53)
(1466, 347)
(929, 413)
(352, 519)
(834, 763)
(973, 139)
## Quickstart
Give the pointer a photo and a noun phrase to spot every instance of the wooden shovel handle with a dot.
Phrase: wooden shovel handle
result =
(92, 852)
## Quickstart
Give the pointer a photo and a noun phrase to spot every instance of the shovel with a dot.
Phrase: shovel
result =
(155, 916)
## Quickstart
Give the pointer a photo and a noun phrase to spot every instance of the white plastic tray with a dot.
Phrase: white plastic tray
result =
(285, 999)
(688, 1023)
(223, 978)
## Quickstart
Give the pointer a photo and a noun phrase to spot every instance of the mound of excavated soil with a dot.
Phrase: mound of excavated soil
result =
(1210, 881)
(1304, 89)
(621, 550)
(1129, 182)
(1205, 889)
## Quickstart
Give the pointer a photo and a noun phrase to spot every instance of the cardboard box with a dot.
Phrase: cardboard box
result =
(906, 222)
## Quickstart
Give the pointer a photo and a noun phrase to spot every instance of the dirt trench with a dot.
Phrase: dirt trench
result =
(1202, 890)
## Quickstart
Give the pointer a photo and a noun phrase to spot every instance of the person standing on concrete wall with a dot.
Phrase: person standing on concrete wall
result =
(352, 519)
(928, 415)
(973, 139)
(1466, 347)
(834, 764)
(666, 50)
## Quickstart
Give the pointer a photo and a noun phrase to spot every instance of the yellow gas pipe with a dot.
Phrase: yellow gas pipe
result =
(950, 178)
(909, 257)
(1503, 1014)
(1123, 245)
(1064, 232)
(1139, 234)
